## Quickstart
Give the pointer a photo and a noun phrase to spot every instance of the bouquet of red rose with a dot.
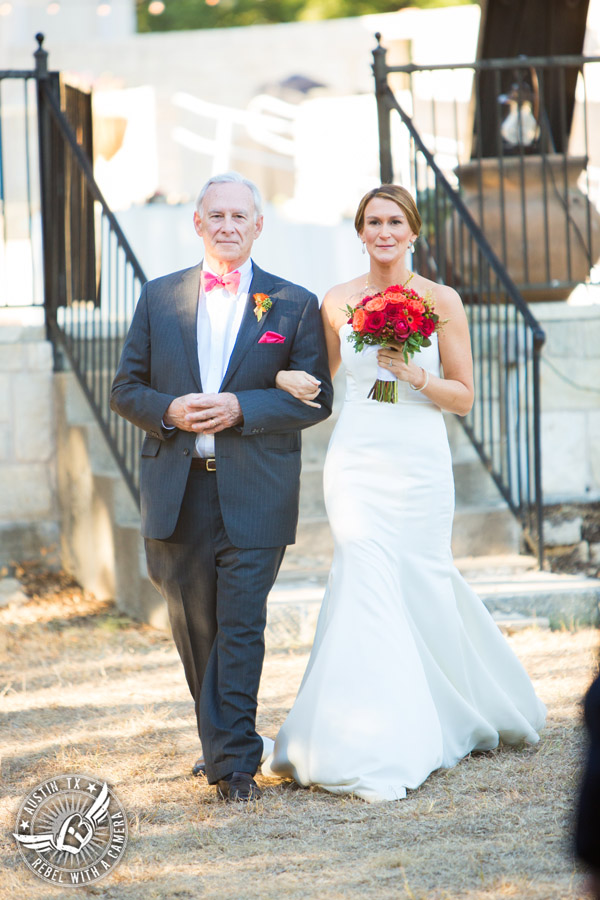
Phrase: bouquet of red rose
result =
(396, 315)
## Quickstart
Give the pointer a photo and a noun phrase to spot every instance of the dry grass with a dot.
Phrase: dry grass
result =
(85, 690)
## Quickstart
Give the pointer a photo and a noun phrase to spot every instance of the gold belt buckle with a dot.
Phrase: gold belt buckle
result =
(211, 465)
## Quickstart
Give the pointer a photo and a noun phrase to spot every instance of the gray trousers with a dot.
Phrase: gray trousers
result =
(216, 596)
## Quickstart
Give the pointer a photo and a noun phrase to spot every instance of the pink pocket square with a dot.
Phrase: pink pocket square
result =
(271, 337)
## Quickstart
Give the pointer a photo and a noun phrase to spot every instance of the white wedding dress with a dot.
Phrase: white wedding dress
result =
(408, 672)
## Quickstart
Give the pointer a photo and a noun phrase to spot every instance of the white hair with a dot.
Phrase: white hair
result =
(228, 178)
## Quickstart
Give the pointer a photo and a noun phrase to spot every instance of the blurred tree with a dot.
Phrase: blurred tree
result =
(179, 15)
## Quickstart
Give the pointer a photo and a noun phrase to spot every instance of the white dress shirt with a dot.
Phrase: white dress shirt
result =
(219, 318)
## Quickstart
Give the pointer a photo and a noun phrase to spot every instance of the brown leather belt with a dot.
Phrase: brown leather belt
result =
(206, 465)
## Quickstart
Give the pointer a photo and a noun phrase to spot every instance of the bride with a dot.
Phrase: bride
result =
(408, 672)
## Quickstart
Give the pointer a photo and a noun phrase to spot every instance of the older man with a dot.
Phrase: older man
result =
(221, 459)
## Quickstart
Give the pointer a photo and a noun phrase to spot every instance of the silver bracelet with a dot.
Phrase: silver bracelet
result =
(425, 383)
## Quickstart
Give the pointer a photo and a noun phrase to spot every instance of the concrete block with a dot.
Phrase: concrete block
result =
(33, 399)
(560, 374)
(590, 340)
(571, 331)
(126, 510)
(512, 623)
(315, 441)
(25, 323)
(564, 311)
(292, 617)
(474, 486)
(583, 551)
(312, 551)
(88, 537)
(562, 599)
(39, 357)
(563, 533)
(11, 593)
(101, 459)
(484, 532)
(594, 551)
(461, 447)
(5, 442)
(26, 492)
(128, 573)
(23, 541)
(564, 458)
(563, 339)
(5, 398)
(76, 408)
(311, 493)
(12, 358)
(593, 450)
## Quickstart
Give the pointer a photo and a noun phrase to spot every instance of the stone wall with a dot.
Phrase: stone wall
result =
(570, 390)
(29, 518)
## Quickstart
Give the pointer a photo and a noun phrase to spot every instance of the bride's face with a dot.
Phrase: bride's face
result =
(386, 231)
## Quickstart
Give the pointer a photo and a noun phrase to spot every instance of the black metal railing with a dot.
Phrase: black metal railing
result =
(21, 281)
(504, 424)
(92, 278)
(512, 136)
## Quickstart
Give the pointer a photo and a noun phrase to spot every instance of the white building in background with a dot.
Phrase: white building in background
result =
(248, 96)
(64, 21)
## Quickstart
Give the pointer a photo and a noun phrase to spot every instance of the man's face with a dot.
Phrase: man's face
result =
(227, 225)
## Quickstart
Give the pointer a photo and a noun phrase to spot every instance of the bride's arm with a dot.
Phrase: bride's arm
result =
(299, 383)
(453, 392)
(333, 303)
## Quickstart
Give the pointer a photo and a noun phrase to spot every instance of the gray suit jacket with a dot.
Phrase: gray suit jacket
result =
(258, 462)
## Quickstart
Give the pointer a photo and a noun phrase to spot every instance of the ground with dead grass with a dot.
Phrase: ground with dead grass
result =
(86, 690)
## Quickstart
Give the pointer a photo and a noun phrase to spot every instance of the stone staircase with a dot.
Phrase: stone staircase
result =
(102, 546)
(100, 522)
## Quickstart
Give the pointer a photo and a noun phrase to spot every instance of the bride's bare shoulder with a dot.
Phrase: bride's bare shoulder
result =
(341, 295)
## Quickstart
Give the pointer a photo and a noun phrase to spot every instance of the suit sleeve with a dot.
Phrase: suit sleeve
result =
(132, 395)
(276, 410)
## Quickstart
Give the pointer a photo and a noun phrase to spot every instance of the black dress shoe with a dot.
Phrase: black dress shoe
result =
(238, 786)
(199, 768)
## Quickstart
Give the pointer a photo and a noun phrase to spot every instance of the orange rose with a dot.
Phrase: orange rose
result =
(394, 296)
(415, 307)
(358, 319)
(375, 303)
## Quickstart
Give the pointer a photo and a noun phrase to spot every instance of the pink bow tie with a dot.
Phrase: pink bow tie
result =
(230, 282)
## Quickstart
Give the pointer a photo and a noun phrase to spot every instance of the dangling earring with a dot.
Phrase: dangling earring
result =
(363, 247)
(411, 246)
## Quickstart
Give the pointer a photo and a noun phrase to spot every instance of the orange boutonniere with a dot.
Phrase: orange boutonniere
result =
(262, 305)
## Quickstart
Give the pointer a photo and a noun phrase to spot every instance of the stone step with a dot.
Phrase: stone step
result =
(516, 593)
(475, 532)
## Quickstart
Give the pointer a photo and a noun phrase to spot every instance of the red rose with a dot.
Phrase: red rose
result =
(427, 327)
(374, 321)
(401, 329)
(393, 311)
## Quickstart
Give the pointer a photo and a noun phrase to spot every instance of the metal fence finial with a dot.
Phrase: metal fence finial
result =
(41, 58)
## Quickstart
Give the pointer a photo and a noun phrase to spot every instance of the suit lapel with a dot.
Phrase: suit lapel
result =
(250, 327)
(185, 298)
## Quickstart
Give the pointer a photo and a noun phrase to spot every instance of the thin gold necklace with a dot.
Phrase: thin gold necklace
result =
(408, 280)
